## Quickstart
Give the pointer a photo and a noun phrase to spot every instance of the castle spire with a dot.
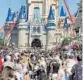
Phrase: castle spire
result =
(62, 12)
(22, 13)
(51, 18)
(51, 14)
(15, 16)
(9, 16)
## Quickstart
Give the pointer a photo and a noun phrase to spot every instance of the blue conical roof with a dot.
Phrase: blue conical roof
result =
(51, 14)
(62, 12)
(22, 12)
(9, 16)
(51, 19)
(15, 16)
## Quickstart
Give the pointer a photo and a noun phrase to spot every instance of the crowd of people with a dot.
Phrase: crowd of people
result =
(36, 64)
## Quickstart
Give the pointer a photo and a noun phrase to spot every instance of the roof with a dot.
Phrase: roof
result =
(51, 19)
(62, 12)
(10, 15)
(51, 14)
(22, 13)
(14, 17)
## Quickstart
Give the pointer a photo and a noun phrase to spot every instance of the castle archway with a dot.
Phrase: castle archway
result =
(36, 43)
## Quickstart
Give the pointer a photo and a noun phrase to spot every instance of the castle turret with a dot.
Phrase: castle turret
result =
(12, 16)
(51, 23)
(22, 15)
(62, 12)
(22, 38)
(50, 29)
(9, 16)
(62, 16)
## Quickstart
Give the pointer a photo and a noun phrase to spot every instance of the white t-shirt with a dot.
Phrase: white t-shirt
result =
(70, 64)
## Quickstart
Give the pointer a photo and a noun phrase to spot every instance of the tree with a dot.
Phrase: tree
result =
(66, 41)
(1, 42)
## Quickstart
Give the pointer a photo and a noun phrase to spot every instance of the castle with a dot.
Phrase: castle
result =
(36, 24)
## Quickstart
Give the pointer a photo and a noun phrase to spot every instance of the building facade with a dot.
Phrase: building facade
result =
(36, 24)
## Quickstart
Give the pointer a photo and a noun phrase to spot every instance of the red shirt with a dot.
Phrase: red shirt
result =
(1, 63)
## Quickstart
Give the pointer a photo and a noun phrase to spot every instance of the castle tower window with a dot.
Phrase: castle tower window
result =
(38, 29)
(34, 29)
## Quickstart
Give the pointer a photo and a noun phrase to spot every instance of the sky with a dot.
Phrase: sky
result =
(16, 4)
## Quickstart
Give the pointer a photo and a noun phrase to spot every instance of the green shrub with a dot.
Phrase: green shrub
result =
(1, 42)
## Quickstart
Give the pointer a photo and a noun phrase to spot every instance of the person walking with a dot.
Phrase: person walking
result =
(62, 75)
(76, 72)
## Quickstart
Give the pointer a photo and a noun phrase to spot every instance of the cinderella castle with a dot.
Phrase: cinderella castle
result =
(36, 24)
